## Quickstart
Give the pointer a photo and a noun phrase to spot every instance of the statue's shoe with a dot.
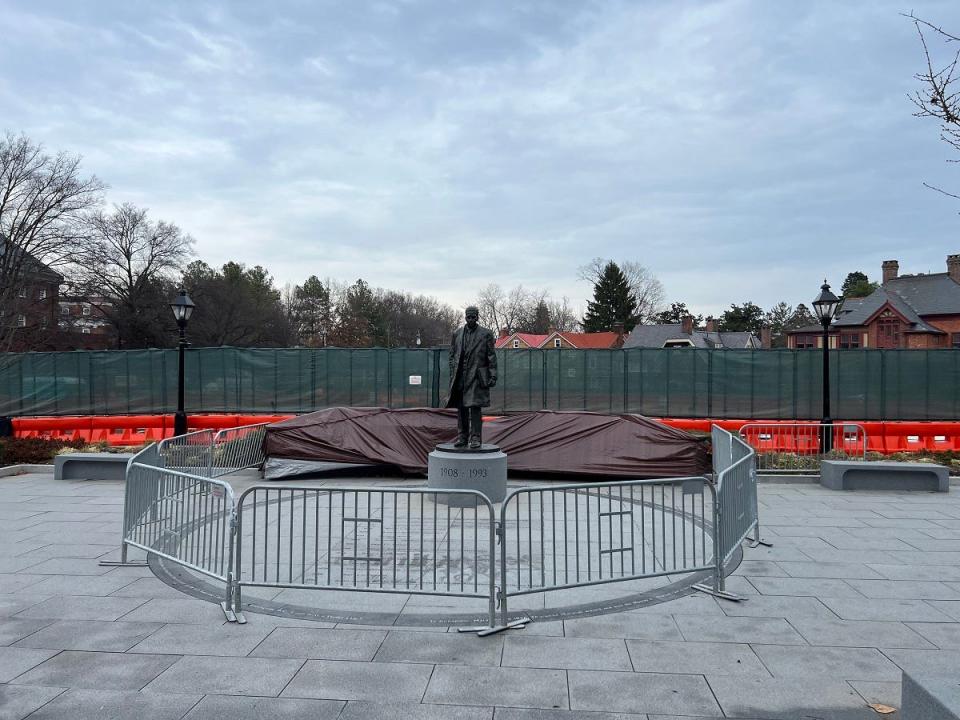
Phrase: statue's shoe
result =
(461, 442)
(475, 443)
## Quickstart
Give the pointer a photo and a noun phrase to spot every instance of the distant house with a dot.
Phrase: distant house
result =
(33, 308)
(559, 339)
(83, 324)
(906, 311)
(684, 335)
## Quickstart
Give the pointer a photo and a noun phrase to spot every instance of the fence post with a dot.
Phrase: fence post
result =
(435, 400)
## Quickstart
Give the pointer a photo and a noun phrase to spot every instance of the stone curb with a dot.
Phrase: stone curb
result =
(23, 469)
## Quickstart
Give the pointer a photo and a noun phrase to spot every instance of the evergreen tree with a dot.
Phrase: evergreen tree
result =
(312, 312)
(857, 284)
(677, 312)
(739, 318)
(613, 302)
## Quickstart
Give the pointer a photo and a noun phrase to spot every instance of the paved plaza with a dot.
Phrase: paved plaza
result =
(856, 587)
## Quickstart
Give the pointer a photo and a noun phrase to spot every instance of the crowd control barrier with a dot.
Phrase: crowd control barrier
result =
(799, 447)
(413, 541)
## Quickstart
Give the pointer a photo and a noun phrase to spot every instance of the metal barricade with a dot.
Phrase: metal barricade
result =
(190, 453)
(237, 448)
(389, 540)
(797, 447)
(565, 536)
(185, 518)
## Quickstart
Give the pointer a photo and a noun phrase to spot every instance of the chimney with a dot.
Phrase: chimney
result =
(504, 332)
(765, 338)
(618, 329)
(686, 324)
(711, 325)
(891, 268)
(551, 329)
(953, 267)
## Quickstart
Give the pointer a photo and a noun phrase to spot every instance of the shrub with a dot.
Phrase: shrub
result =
(33, 451)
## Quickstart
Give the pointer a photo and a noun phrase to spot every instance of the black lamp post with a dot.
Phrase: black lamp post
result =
(825, 306)
(182, 307)
(418, 338)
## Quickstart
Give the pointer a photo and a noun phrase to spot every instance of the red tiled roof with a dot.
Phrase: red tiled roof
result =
(591, 341)
(529, 338)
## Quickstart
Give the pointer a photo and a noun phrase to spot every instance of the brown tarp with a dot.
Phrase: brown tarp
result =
(546, 441)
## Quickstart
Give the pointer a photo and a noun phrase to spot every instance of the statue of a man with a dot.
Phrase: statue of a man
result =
(473, 371)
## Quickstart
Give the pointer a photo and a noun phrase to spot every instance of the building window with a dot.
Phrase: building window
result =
(21, 320)
(849, 341)
(86, 309)
(42, 294)
(556, 342)
(85, 331)
(805, 342)
(64, 309)
(23, 292)
(955, 341)
(516, 344)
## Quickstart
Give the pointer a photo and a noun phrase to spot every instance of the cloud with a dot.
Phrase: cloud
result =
(740, 149)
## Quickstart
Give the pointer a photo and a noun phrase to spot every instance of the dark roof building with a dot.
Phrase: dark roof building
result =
(684, 334)
(906, 311)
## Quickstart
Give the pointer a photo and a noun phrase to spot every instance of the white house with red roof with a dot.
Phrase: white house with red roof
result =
(559, 339)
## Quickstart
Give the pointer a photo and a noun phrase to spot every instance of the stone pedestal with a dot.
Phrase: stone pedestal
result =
(483, 470)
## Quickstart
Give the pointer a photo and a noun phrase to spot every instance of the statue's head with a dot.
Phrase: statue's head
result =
(472, 316)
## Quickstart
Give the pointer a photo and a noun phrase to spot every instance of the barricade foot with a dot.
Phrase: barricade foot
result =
(722, 594)
(121, 563)
(516, 624)
(234, 617)
(755, 542)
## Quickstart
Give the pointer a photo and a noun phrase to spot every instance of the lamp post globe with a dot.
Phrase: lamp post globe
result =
(182, 307)
(825, 306)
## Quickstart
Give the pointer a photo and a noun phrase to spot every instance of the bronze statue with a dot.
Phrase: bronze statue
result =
(473, 371)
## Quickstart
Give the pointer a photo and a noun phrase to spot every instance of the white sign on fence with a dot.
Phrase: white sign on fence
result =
(416, 379)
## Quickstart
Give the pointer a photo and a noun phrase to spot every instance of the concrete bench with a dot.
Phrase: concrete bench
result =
(930, 698)
(883, 475)
(90, 466)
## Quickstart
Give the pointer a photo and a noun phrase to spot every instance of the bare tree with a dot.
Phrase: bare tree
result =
(510, 311)
(562, 316)
(939, 96)
(646, 288)
(42, 200)
(126, 267)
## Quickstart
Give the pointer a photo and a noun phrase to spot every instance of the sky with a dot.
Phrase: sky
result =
(741, 150)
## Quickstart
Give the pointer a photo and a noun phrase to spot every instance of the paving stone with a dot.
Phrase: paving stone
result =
(695, 657)
(68, 566)
(791, 698)
(225, 639)
(764, 568)
(502, 713)
(641, 693)
(772, 631)
(12, 630)
(322, 644)
(15, 582)
(950, 608)
(173, 610)
(96, 670)
(819, 569)
(915, 572)
(892, 609)
(116, 705)
(694, 604)
(101, 585)
(18, 701)
(148, 587)
(9, 565)
(16, 661)
(342, 680)
(81, 607)
(858, 633)
(777, 606)
(212, 675)
(624, 625)
(565, 653)
(945, 635)
(906, 589)
(90, 635)
(73, 550)
(924, 662)
(217, 707)
(514, 687)
(447, 649)
(886, 693)
(811, 587)
(356, 710)
(841, 663)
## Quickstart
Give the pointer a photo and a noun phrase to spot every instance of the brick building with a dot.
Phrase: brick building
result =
(561, 340)
(32, 311)
(907, 311)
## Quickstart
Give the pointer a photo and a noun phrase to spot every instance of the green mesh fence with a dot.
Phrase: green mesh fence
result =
(762, 384)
